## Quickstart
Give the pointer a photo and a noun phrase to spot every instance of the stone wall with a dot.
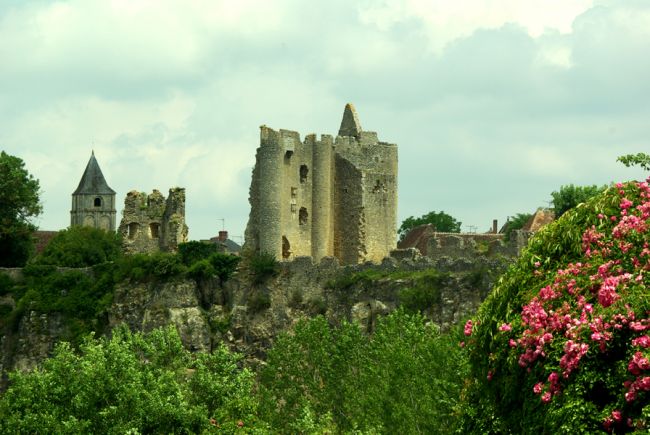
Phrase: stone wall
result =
(327, 197)
(151, 223)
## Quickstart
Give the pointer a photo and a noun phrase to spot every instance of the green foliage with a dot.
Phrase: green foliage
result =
(6, 284)
(19, 202)
(570, 196)
(263, 267)
(516, 223)
(217, 264)
(81, 247)
(575, 306)
(441, 221)
(639, 159)
(424, 293)
(147, 267)
(403, 379)
(131, 383)
(193, 251)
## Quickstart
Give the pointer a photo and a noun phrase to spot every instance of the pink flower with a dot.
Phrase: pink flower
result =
(505, 327)
(461, 344)
(537, 389)
(546, 397)
(616, 415)
(468, 328)
(643, 341)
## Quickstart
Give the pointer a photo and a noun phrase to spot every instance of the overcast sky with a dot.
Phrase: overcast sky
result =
(494, 104)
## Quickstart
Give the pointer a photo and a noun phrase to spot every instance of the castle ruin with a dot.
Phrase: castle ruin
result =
(327, 197)
(151, 223)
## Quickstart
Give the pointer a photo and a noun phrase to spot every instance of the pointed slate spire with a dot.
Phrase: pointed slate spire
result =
(350, 125)
(92, 181)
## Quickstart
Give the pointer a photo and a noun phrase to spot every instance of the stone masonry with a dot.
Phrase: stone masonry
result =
(151, 223)
(328, 197)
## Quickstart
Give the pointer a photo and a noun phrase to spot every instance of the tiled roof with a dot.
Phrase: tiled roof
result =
(92, 181)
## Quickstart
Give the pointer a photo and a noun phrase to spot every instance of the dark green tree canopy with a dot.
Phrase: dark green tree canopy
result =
(569, 196)
(81, 247)
(19, 203)
(440, 220)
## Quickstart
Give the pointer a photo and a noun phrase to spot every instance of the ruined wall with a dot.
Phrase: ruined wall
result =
(151, 223)
(324, 197)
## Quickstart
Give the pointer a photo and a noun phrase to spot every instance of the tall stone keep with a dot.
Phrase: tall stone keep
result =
(328, 197)
(93, 202)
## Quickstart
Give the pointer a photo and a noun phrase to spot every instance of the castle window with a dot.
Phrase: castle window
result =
(154, 231)
(286, 248)
(304, 170)
(302, 216)
(287, 156)
(133, 230)
(98, 202)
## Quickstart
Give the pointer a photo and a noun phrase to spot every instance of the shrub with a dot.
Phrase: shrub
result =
(6, 284)
(263, 267)
(193, 251)
(561, 344)
(81, 247)
(316, 305)
(224, 265)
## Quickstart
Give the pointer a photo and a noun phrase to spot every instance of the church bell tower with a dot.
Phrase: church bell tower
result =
(93, 203)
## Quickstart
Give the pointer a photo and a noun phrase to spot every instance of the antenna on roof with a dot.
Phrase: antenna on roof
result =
(223, 223)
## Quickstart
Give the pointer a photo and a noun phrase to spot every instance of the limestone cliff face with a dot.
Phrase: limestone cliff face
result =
(247, 317)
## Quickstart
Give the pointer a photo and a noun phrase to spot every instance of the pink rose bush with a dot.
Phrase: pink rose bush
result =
(564, 336)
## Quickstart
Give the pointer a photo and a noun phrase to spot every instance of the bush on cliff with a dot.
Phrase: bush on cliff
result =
(561, 345)
(81, 247)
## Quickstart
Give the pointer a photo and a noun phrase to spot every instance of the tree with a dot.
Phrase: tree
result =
(516, 223)
(132, 383)
(640, 159)
(19, 202)
(440, 220)
(569, 196)
(81, 247)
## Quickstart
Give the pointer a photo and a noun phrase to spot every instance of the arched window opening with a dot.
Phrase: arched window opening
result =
(302, 216)
(304, 170)
(133, 230)
(98, 202)
(286, 248)
(154, 231)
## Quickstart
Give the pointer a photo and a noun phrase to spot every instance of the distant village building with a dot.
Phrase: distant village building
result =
(151, 223)
(224, 244)
(328, 197)
(93, 202)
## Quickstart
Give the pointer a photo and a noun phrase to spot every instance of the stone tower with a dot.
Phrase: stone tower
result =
(328, 197)
(93, 203)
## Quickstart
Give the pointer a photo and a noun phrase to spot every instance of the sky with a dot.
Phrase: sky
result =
(493, 104)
